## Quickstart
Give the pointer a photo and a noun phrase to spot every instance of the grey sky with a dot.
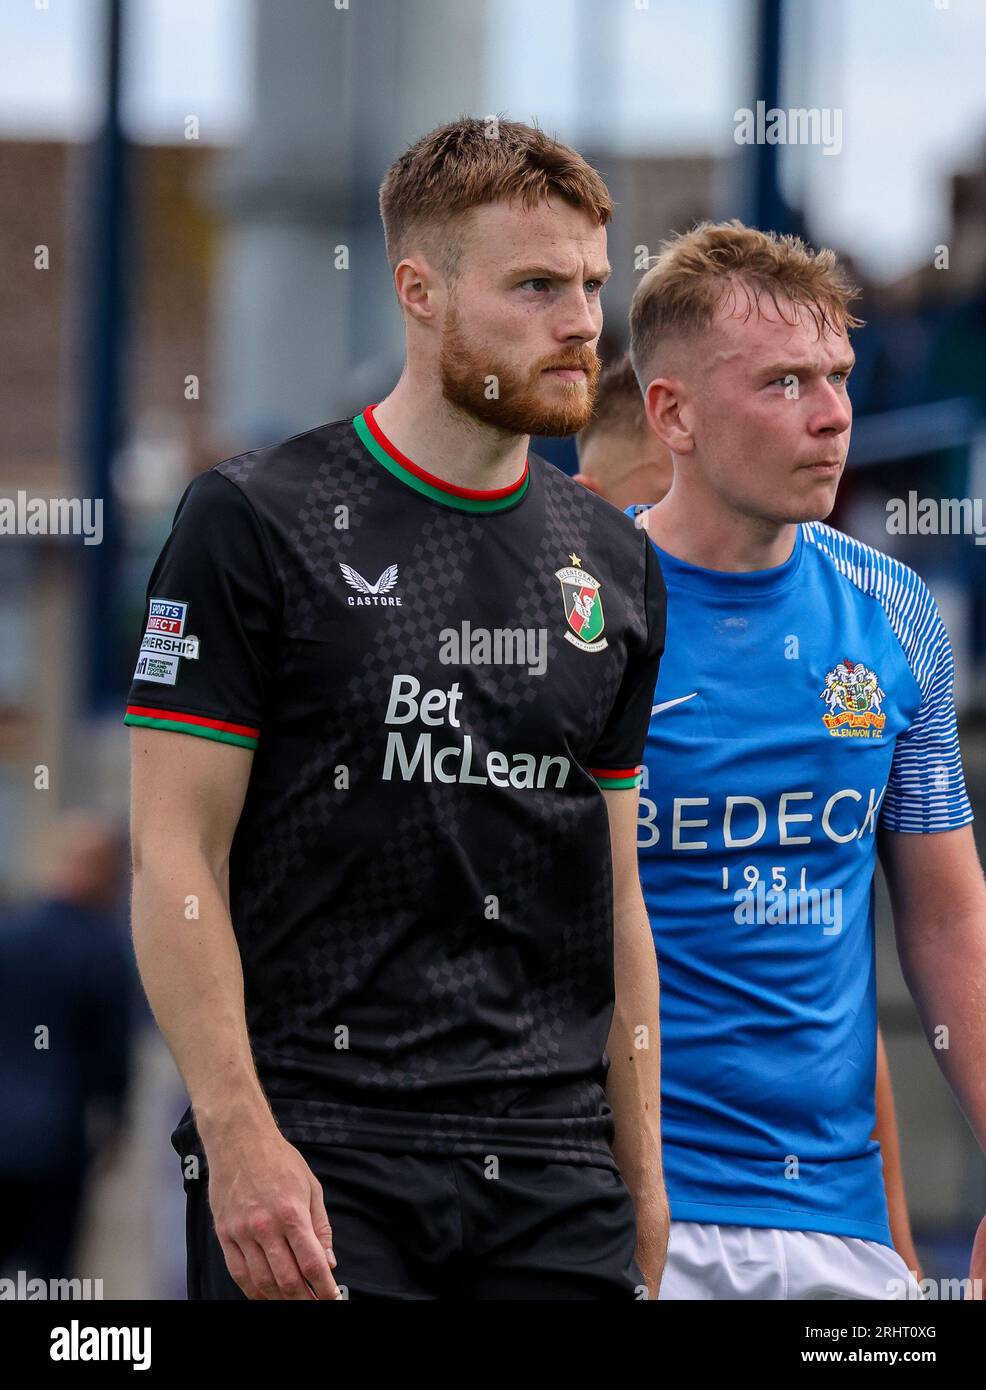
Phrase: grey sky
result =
(908, 75)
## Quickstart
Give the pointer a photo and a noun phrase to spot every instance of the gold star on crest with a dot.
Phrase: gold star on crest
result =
(575, 559)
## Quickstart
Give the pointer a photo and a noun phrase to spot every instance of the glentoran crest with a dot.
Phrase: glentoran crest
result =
(583, 606)
(853, 696)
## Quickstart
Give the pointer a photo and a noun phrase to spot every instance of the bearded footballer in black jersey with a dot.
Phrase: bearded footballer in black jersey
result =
(410, 669)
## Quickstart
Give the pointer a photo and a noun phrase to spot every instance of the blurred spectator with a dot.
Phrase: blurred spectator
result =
(66, 999)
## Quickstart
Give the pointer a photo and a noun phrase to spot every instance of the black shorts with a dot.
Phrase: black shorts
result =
(426, 1226)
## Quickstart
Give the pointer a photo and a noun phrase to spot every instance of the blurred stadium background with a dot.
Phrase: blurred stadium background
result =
(191, 264)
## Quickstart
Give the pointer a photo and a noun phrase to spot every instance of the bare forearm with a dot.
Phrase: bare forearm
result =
(634, 1082)
(888, 1136)
(193, 977)
(945, 970)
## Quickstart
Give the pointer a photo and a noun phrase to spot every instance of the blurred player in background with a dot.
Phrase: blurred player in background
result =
(386, 900)
(65, 972)
(620, 455)
(803, 720)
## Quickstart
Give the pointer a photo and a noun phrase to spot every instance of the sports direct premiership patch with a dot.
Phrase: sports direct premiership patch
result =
(164, 642)
(164, 615)
(583, 606)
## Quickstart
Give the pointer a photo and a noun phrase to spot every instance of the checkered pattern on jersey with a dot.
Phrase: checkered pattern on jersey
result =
(329, 964)
(332, 963)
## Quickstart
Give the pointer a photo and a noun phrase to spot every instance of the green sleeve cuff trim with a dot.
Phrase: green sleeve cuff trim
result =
(199, 730)
(618, 784)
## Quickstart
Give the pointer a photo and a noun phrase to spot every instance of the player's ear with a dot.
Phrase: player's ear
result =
(664, 401)
(414, 283)
(588, 481)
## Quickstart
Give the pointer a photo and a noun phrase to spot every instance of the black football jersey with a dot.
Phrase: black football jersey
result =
(435, 682)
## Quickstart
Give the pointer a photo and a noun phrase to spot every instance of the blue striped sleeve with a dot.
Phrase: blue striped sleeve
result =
(926, 791)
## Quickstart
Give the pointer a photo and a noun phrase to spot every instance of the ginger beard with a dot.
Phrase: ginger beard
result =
(528, 402)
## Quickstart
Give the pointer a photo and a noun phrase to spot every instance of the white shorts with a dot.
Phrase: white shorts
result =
(736, 1262)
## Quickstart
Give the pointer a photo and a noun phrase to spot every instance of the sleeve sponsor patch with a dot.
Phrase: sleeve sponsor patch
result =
(164, 642)
(166, 615)
(162, 669)
(212, 611)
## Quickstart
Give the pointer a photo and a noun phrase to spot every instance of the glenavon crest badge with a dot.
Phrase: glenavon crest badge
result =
(853, 696)
(583, 606)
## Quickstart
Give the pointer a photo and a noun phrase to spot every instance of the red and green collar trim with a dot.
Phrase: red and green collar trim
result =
(466, 499)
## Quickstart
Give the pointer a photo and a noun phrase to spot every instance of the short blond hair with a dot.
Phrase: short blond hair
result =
(470, 162)
(694, 272)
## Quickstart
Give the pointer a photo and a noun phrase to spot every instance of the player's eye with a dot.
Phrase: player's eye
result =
(843, 377)
(539, 282)
(593, 286)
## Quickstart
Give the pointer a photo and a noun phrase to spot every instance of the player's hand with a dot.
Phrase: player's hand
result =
(270, 1218)
(977, 1265)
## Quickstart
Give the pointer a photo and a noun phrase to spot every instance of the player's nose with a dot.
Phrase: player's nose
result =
(581, 318)
(834, 415)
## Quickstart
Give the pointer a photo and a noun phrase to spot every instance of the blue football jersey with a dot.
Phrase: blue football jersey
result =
(798, 711)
